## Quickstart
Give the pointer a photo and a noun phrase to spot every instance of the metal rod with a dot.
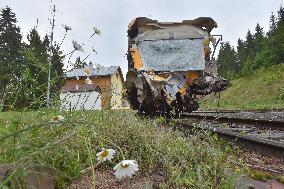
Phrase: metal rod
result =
(50, 58)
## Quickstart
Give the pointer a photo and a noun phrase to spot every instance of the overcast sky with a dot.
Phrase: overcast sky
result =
(234, 18)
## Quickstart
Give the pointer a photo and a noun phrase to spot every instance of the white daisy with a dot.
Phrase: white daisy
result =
(67, 28)
(96, 32)
(87, 70)
(105, 154)
(125, 168)
(77, 46)
(88, 81)
(57, 119)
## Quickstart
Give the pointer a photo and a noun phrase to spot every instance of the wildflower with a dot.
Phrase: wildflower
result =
(94, 50)
(67, 28)
(87, 70)
(77, 46)
(125, 168)
(105, 154)
(57, 119)
(96, 31)
(88, 81)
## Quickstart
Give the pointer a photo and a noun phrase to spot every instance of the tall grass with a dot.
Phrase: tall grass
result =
(197, 161)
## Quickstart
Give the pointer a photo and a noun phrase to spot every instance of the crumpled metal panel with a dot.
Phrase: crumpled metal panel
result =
(209, 84)
(174, 83)
(140, 24)
(172, 55)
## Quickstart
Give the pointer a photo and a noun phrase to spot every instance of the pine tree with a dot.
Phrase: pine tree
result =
(10, 48)
(79, 64)
(57, 71)
(39, 48)
(272, 24)
(258, 38)
(38, 65)
(281, 14)
(278, 39)
(259, 33)
(241, 54)
(250, 44)
(227, 61)
(36, 62)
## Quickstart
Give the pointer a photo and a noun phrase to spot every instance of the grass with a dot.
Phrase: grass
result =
(260, 175)
(199, 161)
(262, 90)
(281, 179)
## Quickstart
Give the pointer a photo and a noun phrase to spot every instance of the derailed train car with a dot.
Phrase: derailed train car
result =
(169, 65)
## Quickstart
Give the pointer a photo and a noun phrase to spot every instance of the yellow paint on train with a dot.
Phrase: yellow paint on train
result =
(136, 58)
(191, 75)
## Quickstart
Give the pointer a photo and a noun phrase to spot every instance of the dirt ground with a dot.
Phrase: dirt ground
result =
(107, 180)
(261, 162)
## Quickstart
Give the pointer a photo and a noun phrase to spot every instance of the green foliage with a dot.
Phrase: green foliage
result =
(227, 60)
(79, 63)
(281, 96)
(262, 89)
(272, 24)
(256, 51)
(281, 179)
(10, 49)
(24, 67)
(199, 161)
(260, 175)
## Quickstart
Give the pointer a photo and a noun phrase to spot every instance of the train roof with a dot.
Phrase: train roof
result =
(141, 24)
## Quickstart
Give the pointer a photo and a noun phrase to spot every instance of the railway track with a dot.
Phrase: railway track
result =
(273, 121)
(236, 111)
(258, 131)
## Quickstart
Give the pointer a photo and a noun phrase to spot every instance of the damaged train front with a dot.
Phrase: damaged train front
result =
(169, 65)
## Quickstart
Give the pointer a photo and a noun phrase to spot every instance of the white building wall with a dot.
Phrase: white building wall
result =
(80, 100)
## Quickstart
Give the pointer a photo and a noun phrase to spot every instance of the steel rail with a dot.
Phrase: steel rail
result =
(238, 111)
(275, 124)
(265, 147)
